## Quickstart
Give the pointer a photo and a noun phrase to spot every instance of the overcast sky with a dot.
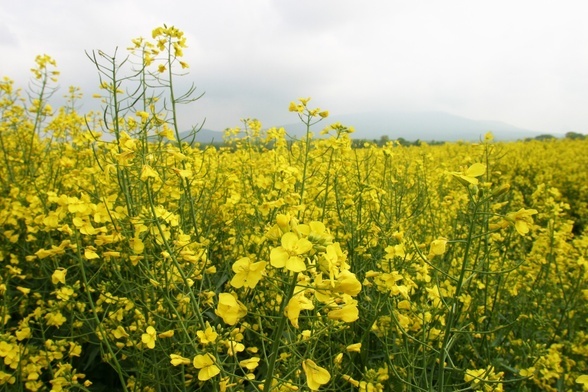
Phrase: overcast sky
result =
(524, 62)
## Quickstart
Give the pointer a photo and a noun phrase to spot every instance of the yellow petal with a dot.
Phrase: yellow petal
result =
(522, 227)
(289, 241)
(303, 245)
(315, 375)
(279, 257)
(201, 361)
(438, 246)
(241, 264)
(476, 170)
(348, 314)
(295, 264)
(208, 372)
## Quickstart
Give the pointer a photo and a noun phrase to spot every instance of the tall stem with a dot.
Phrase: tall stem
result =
(277, 335)
(453, 312)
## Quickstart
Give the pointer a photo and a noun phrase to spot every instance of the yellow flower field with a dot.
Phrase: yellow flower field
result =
(136, 261)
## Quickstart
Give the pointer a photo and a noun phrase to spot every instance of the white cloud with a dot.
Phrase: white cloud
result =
(523, 62)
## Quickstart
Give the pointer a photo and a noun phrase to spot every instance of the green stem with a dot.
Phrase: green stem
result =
(277, 335)
(453, 312)
(103, 334)
(305, 166)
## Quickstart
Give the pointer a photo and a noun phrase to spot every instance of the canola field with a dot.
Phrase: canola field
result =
(136, 261)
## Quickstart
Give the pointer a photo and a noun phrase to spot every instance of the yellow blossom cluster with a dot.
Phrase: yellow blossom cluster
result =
(135, 259)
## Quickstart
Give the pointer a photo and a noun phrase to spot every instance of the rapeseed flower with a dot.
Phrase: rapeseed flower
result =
(347, 283)
(288, 255)
(149, 337)
(469, 175)
(230, 309)
(206, 364)
(166, 334)
(207, 336)
(58, 276)
(296, 304)
(355, 347)
(315, 375)
(248, 273)
(120, 332)
(583, 380)
(55, 319)
(522, 220)
(177, 360)
(250, 364)
(438, 247)
(347, 313)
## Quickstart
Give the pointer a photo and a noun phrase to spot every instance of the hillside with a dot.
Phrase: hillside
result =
(411, 126)
(424, 125)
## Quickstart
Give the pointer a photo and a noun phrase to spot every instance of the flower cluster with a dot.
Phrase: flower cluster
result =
(135, 259)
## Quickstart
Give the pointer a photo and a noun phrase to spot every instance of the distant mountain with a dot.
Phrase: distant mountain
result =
(204, 136)
(411, 126)
(422, 125)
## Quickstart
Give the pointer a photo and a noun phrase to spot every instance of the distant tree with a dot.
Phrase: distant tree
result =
(544, 137)
(575, 136)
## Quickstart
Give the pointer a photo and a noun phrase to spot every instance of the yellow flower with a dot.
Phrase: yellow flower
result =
(583, 379)
(58, 276)
(148, 172)
(166, 334)
(120, 332)
(350, 380)
(522, 220)
(356, 347)
(315, 375)
(90, 254)
(230, 309)
(294, 107)
(55, 319)
(23, 333)
(347, 313)
(295, 305)
(144, 115)
(247, 273)
(438, 247)
(469, 175)
(347, 283)
(206, 365)
(137, 245)
(149, 337)
(6, 378)
(178, 360)
(529, 372)
(208, 335)
(64, 293)
(283, 222)
(157, 32)
(250, 364)
(474, 375)
(234, 347)
(288, 254)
